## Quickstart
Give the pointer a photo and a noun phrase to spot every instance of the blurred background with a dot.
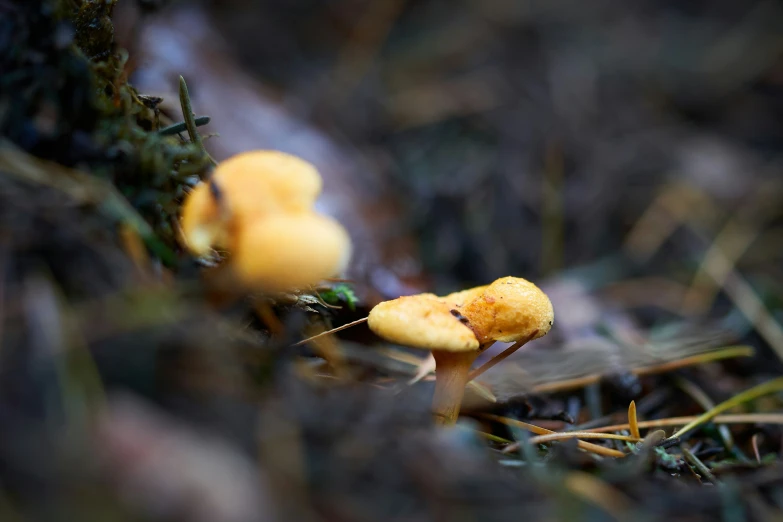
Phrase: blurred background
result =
(504, 137)
(626, 156)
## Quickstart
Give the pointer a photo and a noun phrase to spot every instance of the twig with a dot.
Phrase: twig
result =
(499, 357)
(587, 446)
(581, 435)
(190, 122)
(333, 330)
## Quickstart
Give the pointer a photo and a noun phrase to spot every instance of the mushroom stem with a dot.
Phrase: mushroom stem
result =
(451, 376)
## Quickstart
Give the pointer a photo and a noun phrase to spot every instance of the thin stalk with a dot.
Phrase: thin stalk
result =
(189, 117)
(327, 332)
(500, 357)
(182, 126)
(451, 376)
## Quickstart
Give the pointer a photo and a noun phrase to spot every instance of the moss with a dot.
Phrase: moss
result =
(64, 96)
(94, 30)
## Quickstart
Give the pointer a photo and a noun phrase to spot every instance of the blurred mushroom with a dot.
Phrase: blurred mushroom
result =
(259, 206)
(242, 188)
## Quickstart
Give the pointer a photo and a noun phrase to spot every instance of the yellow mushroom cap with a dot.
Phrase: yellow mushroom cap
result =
(422, 321)
(200, 220)
(286, 252)
(266, 181)
(508, 310)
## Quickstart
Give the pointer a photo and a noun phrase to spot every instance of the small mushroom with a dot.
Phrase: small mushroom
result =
(259, 206)
(457, 327)
(242, 188)
(289, 251)
(426, 321)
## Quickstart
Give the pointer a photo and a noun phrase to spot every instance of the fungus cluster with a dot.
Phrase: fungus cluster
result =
(456, 328)
(259, 207)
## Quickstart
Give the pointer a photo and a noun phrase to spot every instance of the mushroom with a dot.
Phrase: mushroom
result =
(244, 187)
(259, 206)
(457, 327)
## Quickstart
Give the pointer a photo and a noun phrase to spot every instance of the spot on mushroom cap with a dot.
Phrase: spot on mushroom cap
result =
(510, 309)
(286, 252)
(266, 181)
(421, 321)
(200, 221)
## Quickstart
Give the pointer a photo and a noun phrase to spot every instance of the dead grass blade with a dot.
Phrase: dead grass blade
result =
(766, 388)
(498, 358)
(587, 446)
(579, 382)
(743, 418)
(540, 439)
(328, 332)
